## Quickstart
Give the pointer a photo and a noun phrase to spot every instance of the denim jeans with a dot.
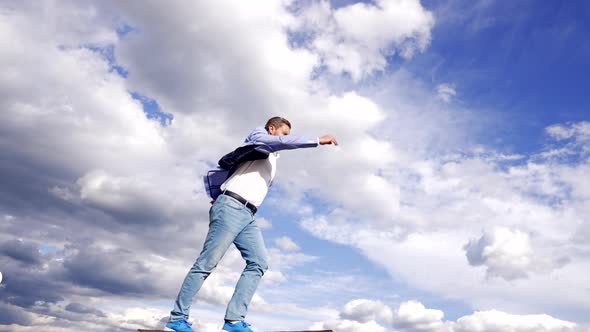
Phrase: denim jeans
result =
(229, 222)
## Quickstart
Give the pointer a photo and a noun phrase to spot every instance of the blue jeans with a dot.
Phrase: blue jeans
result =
(229, 222)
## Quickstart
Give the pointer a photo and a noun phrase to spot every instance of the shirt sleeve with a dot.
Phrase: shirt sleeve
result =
(284, 142)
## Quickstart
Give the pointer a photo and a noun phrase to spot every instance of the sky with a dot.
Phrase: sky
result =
(456, 201)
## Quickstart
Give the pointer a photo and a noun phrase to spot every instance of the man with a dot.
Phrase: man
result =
(231, 220)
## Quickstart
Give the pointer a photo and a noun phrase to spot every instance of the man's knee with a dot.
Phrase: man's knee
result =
(203, 266)
(260, 266)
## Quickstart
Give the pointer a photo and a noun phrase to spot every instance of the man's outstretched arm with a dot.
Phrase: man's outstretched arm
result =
(288, 142)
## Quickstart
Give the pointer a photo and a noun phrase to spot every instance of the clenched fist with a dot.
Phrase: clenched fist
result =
(328, 139)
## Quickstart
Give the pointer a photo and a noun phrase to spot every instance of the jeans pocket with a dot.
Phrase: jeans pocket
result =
(232, 203)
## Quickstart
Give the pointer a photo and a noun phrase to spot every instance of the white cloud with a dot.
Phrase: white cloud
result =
(559, 132)
(363, 311)
(348, 173)
(413, 316)
(497, 321)
(506, 253)
(446, 92)
(287, 260)
(247, 71)
(580, 131)
(118, 193)
(412, 258)
(356, 39)
(275, 276)
(359, 315)
(286, 243)
(263, 223)
(219, 289)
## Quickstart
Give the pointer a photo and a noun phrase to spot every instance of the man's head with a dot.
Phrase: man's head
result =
(278, 126)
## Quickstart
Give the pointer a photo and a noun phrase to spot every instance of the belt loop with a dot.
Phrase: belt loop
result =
(247, 207)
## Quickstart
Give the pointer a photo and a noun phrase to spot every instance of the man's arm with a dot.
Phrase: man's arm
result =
(284, 142)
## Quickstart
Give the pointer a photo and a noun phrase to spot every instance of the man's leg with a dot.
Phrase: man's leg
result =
(225, 224)
(251, 246)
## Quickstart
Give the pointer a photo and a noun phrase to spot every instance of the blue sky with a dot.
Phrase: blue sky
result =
(457, 198)
(525, 60)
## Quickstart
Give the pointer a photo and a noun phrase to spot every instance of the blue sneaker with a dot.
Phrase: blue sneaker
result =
(180, 326)
(240, 326)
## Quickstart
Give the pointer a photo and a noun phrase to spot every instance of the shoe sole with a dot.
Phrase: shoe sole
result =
(166, 329)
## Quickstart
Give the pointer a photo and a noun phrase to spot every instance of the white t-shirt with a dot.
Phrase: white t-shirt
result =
(253, 178)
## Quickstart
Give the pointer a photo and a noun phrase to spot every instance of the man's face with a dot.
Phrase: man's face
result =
(280, 131)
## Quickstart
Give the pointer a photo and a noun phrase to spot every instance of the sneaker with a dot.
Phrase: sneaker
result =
(180, 326)
(240, 326)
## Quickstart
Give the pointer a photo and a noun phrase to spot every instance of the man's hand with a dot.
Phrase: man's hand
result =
(328, 139)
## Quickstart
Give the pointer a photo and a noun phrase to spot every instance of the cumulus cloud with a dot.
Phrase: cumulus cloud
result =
(359, 315)
(498, 321)
(506, 253)
(364, 311)
(414, 316)
(357, 39)
(130, 199)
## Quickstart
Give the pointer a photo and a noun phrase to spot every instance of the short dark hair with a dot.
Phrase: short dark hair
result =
(276, 122)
